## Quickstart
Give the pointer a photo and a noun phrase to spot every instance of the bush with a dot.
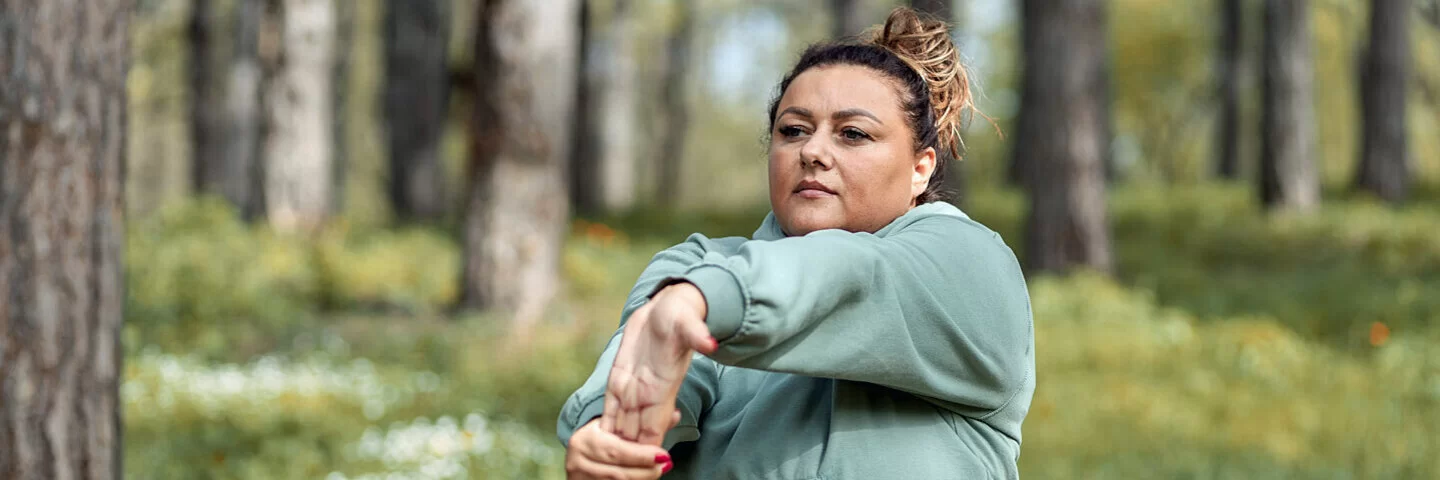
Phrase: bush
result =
(204, 282)
(1129, 389)
(200, 280)
(415, 270)
(1209, 250)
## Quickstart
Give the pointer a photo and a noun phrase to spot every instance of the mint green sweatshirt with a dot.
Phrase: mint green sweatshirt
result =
(903, 354)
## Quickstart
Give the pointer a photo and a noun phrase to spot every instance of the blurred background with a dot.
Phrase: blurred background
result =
(386, 239)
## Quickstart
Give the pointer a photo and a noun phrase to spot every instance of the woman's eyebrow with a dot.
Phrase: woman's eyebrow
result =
(856, 112)
(796, 110)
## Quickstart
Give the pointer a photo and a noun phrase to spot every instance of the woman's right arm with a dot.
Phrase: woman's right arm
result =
(698, 391)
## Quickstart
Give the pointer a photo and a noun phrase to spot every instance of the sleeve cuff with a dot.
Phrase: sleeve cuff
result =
(589, 411)
(724, 299)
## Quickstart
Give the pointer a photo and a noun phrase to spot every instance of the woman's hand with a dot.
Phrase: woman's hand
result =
(598, 454)
(651, 363)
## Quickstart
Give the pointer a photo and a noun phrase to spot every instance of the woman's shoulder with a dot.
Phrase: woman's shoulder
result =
(947, 219)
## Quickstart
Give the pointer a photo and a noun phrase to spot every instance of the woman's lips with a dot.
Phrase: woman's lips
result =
(813, 193)
(813, 189)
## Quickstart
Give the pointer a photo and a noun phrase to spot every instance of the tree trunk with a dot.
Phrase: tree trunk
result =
(1021, 162)
(207, 102)
(245, 113)
(1384, 156)
(1017, 173)
(299, 142)
(224, 108)
(1064, 47)
(583, 172)
(620, 105)
(416, 96)
(345, 12)
(674, 105)
(517, 208)
(1288, 176)
(845, 19)
(611, 77)
(1105, 134)
(62, 161)
(1227, 141)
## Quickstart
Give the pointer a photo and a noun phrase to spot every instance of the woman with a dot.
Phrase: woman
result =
(866, 331)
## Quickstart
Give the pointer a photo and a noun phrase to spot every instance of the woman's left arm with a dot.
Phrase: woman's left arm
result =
(937, 308)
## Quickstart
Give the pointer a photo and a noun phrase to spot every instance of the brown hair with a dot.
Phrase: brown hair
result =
(915, 50)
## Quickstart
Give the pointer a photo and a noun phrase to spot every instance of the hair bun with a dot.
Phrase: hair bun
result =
(923, 42)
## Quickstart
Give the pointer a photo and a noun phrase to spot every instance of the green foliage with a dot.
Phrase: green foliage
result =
(316, 417)
(1161, 83)
(1209, 250)
(202, 281)
(413, 269)
(1240, 397)
(1234, 344)
(1328, 276)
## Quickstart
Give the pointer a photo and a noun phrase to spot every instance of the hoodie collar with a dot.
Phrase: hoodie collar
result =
(770, 228)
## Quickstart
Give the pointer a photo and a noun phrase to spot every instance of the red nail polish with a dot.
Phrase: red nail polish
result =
(662, 458)
(714, 344)
(668, 466)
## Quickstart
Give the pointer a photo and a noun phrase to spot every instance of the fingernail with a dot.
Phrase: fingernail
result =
(662, 458)
(714, 344)
(668, 466)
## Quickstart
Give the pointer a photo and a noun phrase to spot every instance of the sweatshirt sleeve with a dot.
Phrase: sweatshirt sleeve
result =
(937, 308)
(698, 392)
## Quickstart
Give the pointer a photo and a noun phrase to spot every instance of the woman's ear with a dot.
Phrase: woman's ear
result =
(924, 168)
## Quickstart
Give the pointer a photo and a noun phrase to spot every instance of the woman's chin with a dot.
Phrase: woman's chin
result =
(804, 220)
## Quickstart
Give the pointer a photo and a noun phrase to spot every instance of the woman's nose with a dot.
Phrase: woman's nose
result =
(816, 153)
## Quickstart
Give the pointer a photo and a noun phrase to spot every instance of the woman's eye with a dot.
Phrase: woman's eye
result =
(791, 131)
(854, 134)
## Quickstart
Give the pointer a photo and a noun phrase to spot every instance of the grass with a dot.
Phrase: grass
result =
(1232, 344)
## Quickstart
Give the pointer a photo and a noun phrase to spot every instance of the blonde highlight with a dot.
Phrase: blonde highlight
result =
(923, 43)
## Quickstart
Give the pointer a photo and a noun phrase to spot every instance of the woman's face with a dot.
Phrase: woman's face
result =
(841, 153)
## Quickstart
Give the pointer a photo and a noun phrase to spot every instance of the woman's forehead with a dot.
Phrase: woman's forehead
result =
(832, 88)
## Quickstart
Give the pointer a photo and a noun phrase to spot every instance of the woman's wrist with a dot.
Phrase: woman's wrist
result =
(689, 295)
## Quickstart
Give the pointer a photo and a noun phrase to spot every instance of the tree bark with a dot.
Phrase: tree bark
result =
(299, 144)
(1227, 63)
(1064, 46)
(620, 108)
(845, 19)
(340, 72)
(674, 105)
(1384, 155)
(583, 168)
(1105, 134)
(416, 97)
(1288, 176)
(1019, 170)
(207, 100)
(607, 178)
(62, 161)
(225, 99)
(244, 107)
(517, 207)
(1017, 173)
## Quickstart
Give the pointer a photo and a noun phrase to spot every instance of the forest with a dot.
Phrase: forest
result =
(387, 239)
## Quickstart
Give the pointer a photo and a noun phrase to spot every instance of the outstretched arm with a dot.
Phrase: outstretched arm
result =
(587, 403)
(936, 307)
